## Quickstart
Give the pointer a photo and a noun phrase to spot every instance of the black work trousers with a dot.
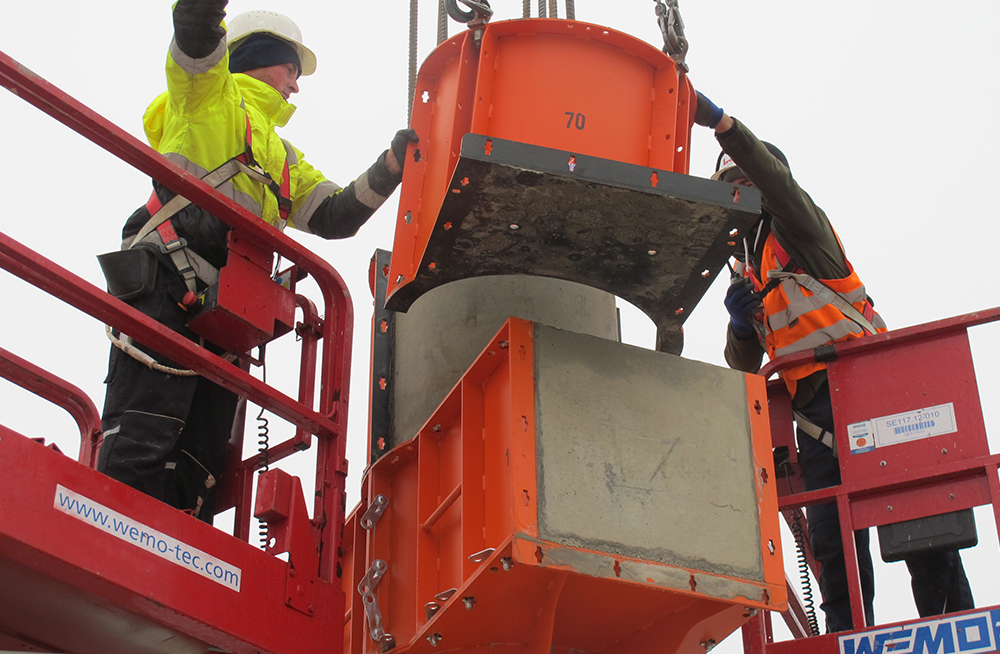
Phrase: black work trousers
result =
(165, 434)
(937, 579)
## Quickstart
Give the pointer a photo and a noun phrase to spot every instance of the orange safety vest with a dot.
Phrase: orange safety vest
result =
(795, 318)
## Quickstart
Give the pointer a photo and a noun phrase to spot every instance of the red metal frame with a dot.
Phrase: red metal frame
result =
(61, 393)
(71, 586)
(279, 499)
(881, 375)
(237, 487)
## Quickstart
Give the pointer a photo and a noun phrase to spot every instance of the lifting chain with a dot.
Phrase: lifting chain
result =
(480, 11)
(668, 17)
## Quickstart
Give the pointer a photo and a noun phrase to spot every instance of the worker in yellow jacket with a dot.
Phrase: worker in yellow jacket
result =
(795, 291)
(166, 433)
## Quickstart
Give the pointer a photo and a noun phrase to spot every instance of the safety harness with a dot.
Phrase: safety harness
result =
(790, 270)
(812, 429)
(159, 230)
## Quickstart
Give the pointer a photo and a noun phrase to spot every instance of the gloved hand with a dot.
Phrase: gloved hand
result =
(398, 147)
(707, 114)
(741, 303)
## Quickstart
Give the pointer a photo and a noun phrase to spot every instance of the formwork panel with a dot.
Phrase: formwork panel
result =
(610, 577)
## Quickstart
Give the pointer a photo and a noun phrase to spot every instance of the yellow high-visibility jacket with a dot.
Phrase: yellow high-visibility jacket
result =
(200, 123)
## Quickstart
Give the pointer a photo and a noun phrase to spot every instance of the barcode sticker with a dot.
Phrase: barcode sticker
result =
(902, 427)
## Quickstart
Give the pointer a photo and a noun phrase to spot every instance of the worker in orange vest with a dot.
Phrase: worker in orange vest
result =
(795, 290)
(166, 430)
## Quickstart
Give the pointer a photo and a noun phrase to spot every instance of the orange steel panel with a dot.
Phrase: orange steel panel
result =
(466, 483)
(473, 479)
(776, 590)
(554, 83)
(565, 101)
(538, 77)
(439, 550)
(521, 362)
(498, 522)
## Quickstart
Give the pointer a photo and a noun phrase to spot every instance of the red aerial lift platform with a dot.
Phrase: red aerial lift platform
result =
(90, 565)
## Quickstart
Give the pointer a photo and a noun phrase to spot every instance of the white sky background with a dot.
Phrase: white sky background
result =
(883, 108)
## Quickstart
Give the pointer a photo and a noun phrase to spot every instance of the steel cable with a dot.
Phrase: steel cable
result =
(442, 35)
(412, 69)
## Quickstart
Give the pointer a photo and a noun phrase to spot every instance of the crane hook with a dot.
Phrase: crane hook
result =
(675, 44)
(481, 11)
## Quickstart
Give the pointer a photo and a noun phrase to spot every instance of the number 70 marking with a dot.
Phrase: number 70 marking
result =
(579, 120)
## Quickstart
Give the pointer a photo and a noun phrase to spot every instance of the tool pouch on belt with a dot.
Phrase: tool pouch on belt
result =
(129, 273)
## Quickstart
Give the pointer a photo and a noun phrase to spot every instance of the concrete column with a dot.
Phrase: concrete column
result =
(446, 329)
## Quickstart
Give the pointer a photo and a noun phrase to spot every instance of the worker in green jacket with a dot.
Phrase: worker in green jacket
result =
(166, 433)
(773, 313)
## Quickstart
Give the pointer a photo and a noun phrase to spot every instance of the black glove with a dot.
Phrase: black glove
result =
(198, 26)
(399, 143)
(741, 303)
(707, 114)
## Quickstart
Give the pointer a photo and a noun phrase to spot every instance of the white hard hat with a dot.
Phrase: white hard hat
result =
(724, 164)
(271, 22)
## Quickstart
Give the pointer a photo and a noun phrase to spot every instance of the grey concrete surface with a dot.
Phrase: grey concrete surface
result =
(447, 328)
(646, 455)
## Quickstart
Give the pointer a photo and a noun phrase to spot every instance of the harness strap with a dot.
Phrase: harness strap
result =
(189, 264)
(163, 212)
(175, 247)
(828, 295)
(783, 257)
(282, 192)
(815, 431)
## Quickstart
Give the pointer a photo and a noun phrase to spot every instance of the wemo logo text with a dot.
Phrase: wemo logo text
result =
(146, 538)
(973, 633)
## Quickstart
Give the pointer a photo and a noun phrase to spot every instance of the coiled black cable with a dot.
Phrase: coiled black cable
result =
(263, 451)
(783, 468)
(800, 550)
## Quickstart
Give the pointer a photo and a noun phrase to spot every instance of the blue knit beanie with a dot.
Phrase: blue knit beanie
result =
(260, 51)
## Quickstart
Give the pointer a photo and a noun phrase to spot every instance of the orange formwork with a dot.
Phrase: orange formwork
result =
(449, 550)
(559, 84)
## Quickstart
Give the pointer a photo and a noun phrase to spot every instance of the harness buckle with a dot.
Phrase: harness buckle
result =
(173, 246)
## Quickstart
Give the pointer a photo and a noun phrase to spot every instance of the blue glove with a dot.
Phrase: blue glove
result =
(707, 114)
(741, 303)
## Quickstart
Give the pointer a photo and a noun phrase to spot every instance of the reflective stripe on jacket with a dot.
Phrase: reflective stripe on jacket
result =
(793, 319)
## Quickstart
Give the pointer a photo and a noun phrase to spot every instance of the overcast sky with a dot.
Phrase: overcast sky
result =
(883, 108)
